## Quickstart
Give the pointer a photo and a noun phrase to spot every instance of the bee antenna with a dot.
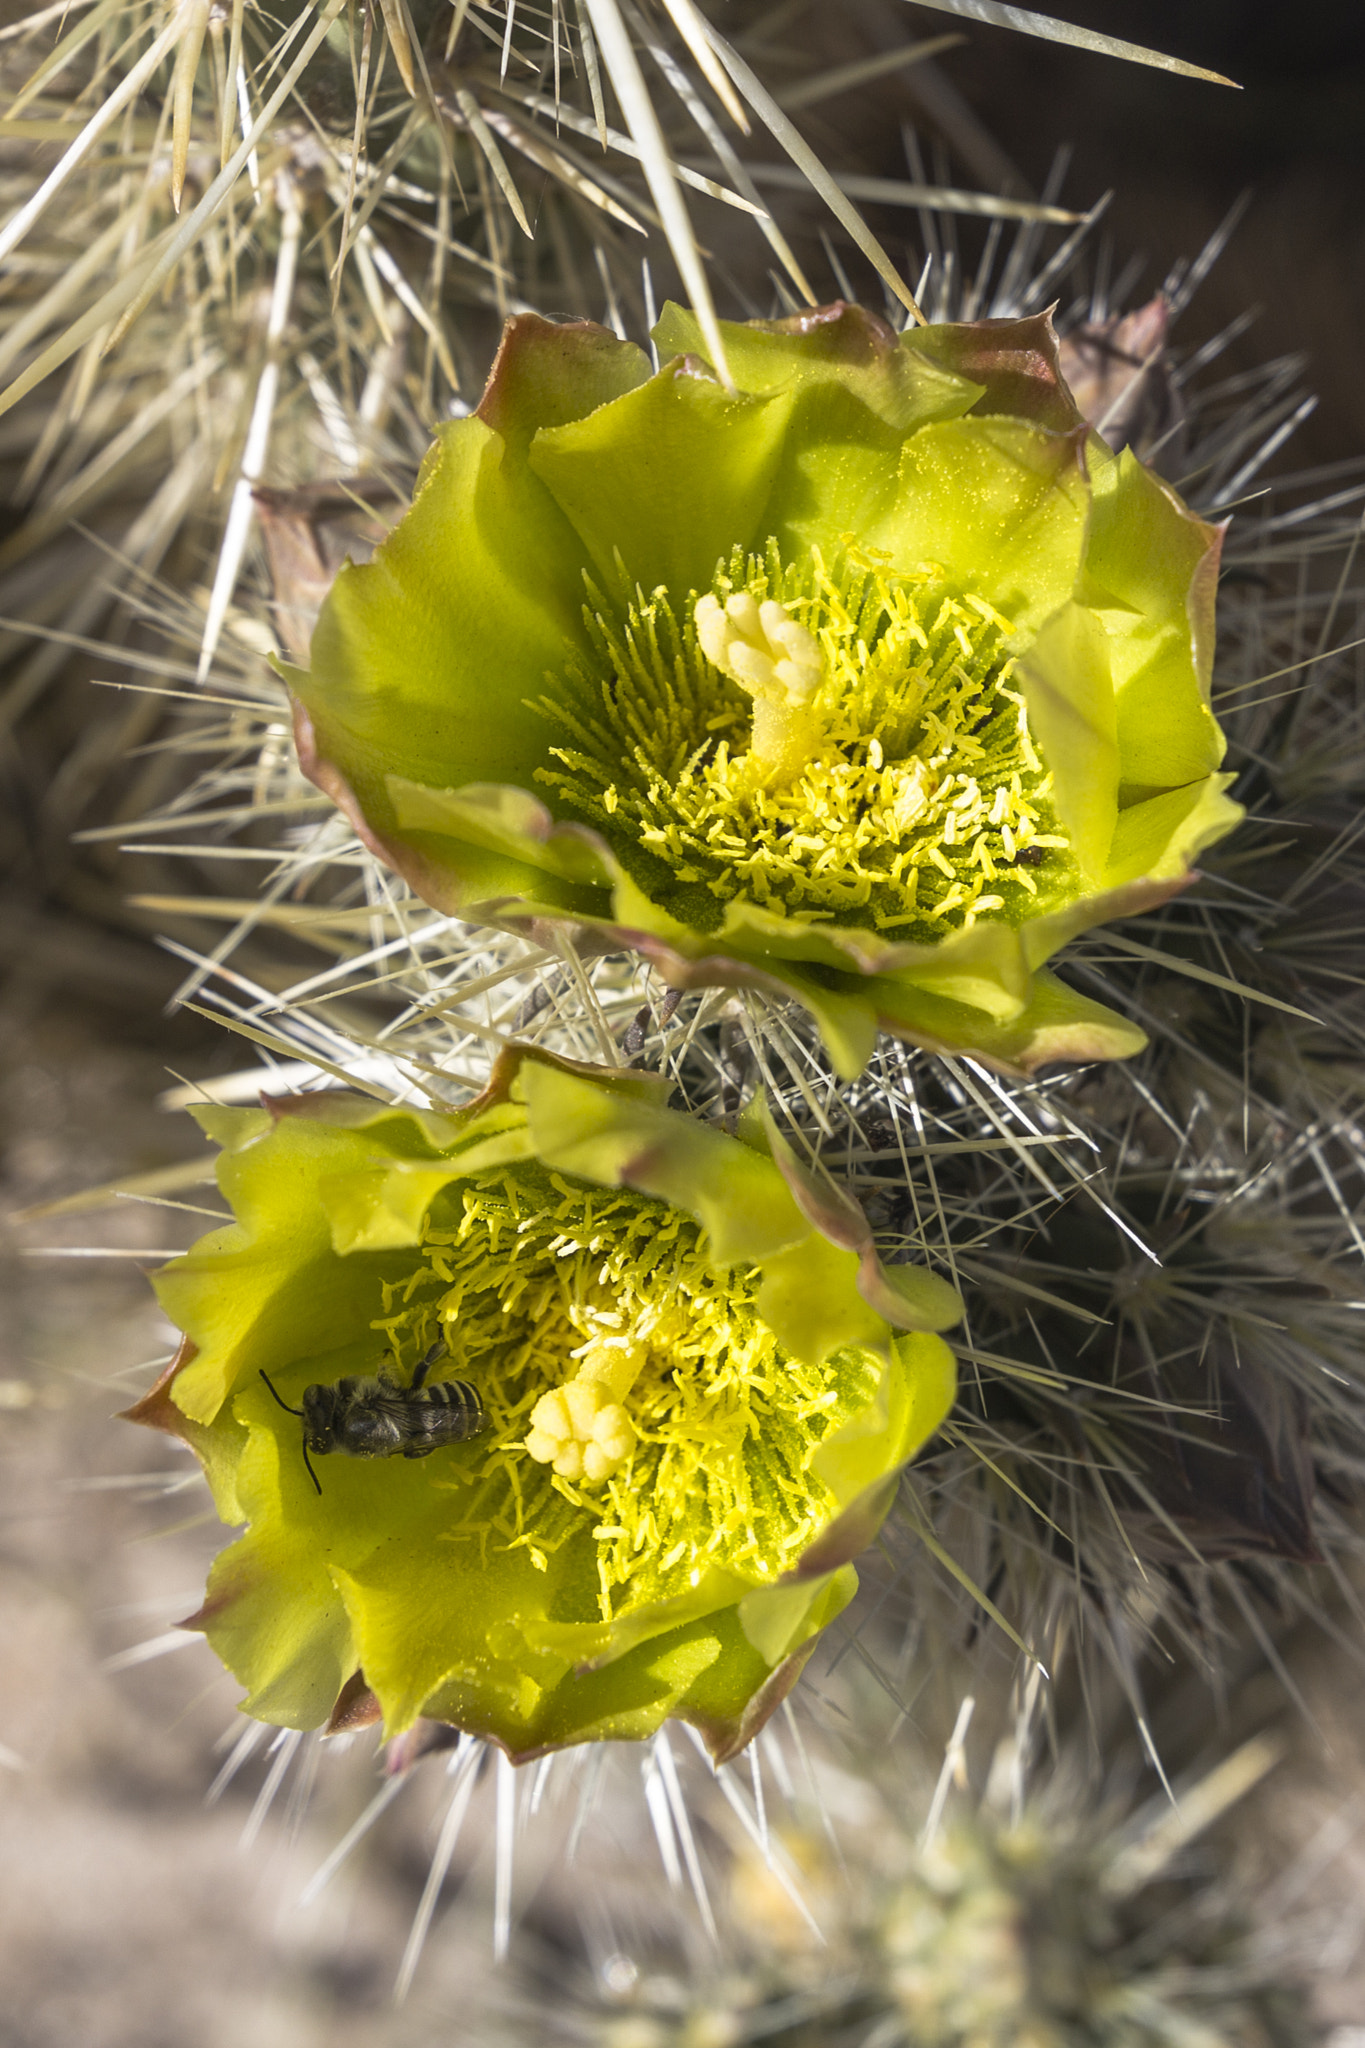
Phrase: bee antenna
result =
(317, 1483)
(284, 1404)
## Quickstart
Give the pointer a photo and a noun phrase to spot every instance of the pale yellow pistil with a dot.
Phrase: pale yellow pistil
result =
(779, 664)
(580, 1429)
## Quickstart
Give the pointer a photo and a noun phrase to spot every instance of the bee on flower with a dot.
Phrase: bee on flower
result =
(646, 1392)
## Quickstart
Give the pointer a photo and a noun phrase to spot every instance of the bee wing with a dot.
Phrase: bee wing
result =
(392, 1402)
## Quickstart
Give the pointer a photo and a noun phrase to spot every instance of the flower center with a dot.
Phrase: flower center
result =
(833, 746)
(632, 1394)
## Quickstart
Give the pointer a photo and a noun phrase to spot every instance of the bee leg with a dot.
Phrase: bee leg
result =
(424, 1365)
(420, 1451)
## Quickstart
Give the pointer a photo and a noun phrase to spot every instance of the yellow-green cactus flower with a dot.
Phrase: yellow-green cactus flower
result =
(693, 1382)
(872, 681)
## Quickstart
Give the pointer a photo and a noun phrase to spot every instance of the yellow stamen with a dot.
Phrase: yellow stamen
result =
(890, 776)
(631, 1392)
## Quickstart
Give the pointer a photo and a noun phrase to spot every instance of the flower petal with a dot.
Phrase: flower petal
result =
(268, 1286)
(1161, 837)
(839, 343)
(546, 373)
(1152, 574)
(624, 1139)
(423, 660)
(501, 842)
(1014, 360)
(270, 1610)
(998, 507)
(1057, 1023)
(859, 390)
(914, 1400)
(907, 1297)
(1069, 690)
(668, 479)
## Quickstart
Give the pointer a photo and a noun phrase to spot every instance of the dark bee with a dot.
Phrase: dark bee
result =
(376, 1417)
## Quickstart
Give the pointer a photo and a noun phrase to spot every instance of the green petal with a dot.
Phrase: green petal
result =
(706, 1672)
(502, 820)
(1152, 571)
(838, 344)
(986, 968)
(426, 1611)
(858, 392)
(494, 843)
(1070, 695)
(916, 1394)
(908, 1297)
(837, 475)
(1057, 1023)
(1161, 837)
(423, 659)
(738, 1196)
(1013, 1033)
(998, 508)
(592, 1645)
(810, 1301)
(778, 1619)
(667, 479)
(271, 1612)
(219, 1449)
(270, 1286)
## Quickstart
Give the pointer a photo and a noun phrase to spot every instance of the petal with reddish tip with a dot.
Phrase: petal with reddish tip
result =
(547, 373)
(1015, 361)
(836, 344)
